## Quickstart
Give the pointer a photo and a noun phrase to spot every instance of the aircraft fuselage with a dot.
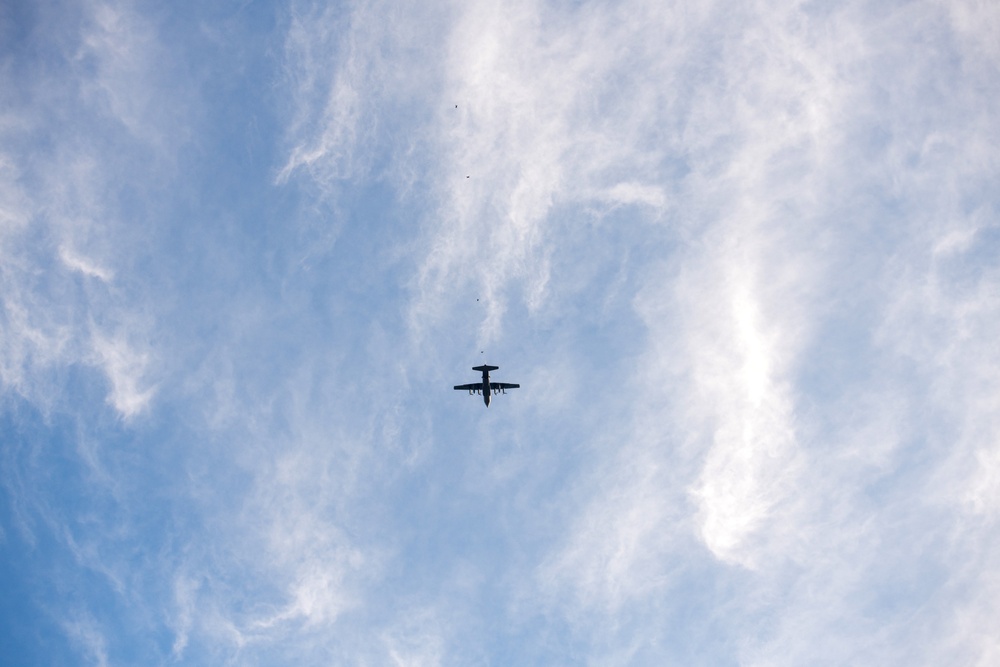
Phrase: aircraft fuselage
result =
(486, 388)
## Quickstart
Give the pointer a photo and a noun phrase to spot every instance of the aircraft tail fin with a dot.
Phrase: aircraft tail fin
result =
(485, 368)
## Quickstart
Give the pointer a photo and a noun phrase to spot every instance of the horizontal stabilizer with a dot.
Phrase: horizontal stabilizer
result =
(485, 368)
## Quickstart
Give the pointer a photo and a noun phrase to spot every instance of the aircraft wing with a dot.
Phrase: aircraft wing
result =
(470, 387)
(503, 385)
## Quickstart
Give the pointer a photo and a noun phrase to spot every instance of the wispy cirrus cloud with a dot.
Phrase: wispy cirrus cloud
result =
(766, 168)
(740, 259)
(84, 631)
(552, 118)
(64, 295)
(779, 282)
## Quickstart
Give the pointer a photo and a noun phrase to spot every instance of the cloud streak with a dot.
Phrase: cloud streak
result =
(741, 259)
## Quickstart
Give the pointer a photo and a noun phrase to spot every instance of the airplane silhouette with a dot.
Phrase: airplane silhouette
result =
(485, 387)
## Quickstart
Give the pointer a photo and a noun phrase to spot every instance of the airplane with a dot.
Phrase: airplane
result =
(486, 388)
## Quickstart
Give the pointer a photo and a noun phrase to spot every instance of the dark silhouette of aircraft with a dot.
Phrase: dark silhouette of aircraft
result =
(486, 388)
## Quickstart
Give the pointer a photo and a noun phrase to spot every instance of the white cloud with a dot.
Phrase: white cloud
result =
(186, 600)
(976, 22)
(84, 265)
(124, 70)
(637, 193)
(726, 327)
(84, 631)
(126, 369)
(512, 138)
(625, 543)
(63, 239)
(778, 480)
(416, 642)
(792, 451)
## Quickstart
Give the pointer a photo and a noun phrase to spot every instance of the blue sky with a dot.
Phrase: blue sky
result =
(741, 257)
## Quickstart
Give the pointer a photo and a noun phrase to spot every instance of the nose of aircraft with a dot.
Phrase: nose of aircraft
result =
(486, 399)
